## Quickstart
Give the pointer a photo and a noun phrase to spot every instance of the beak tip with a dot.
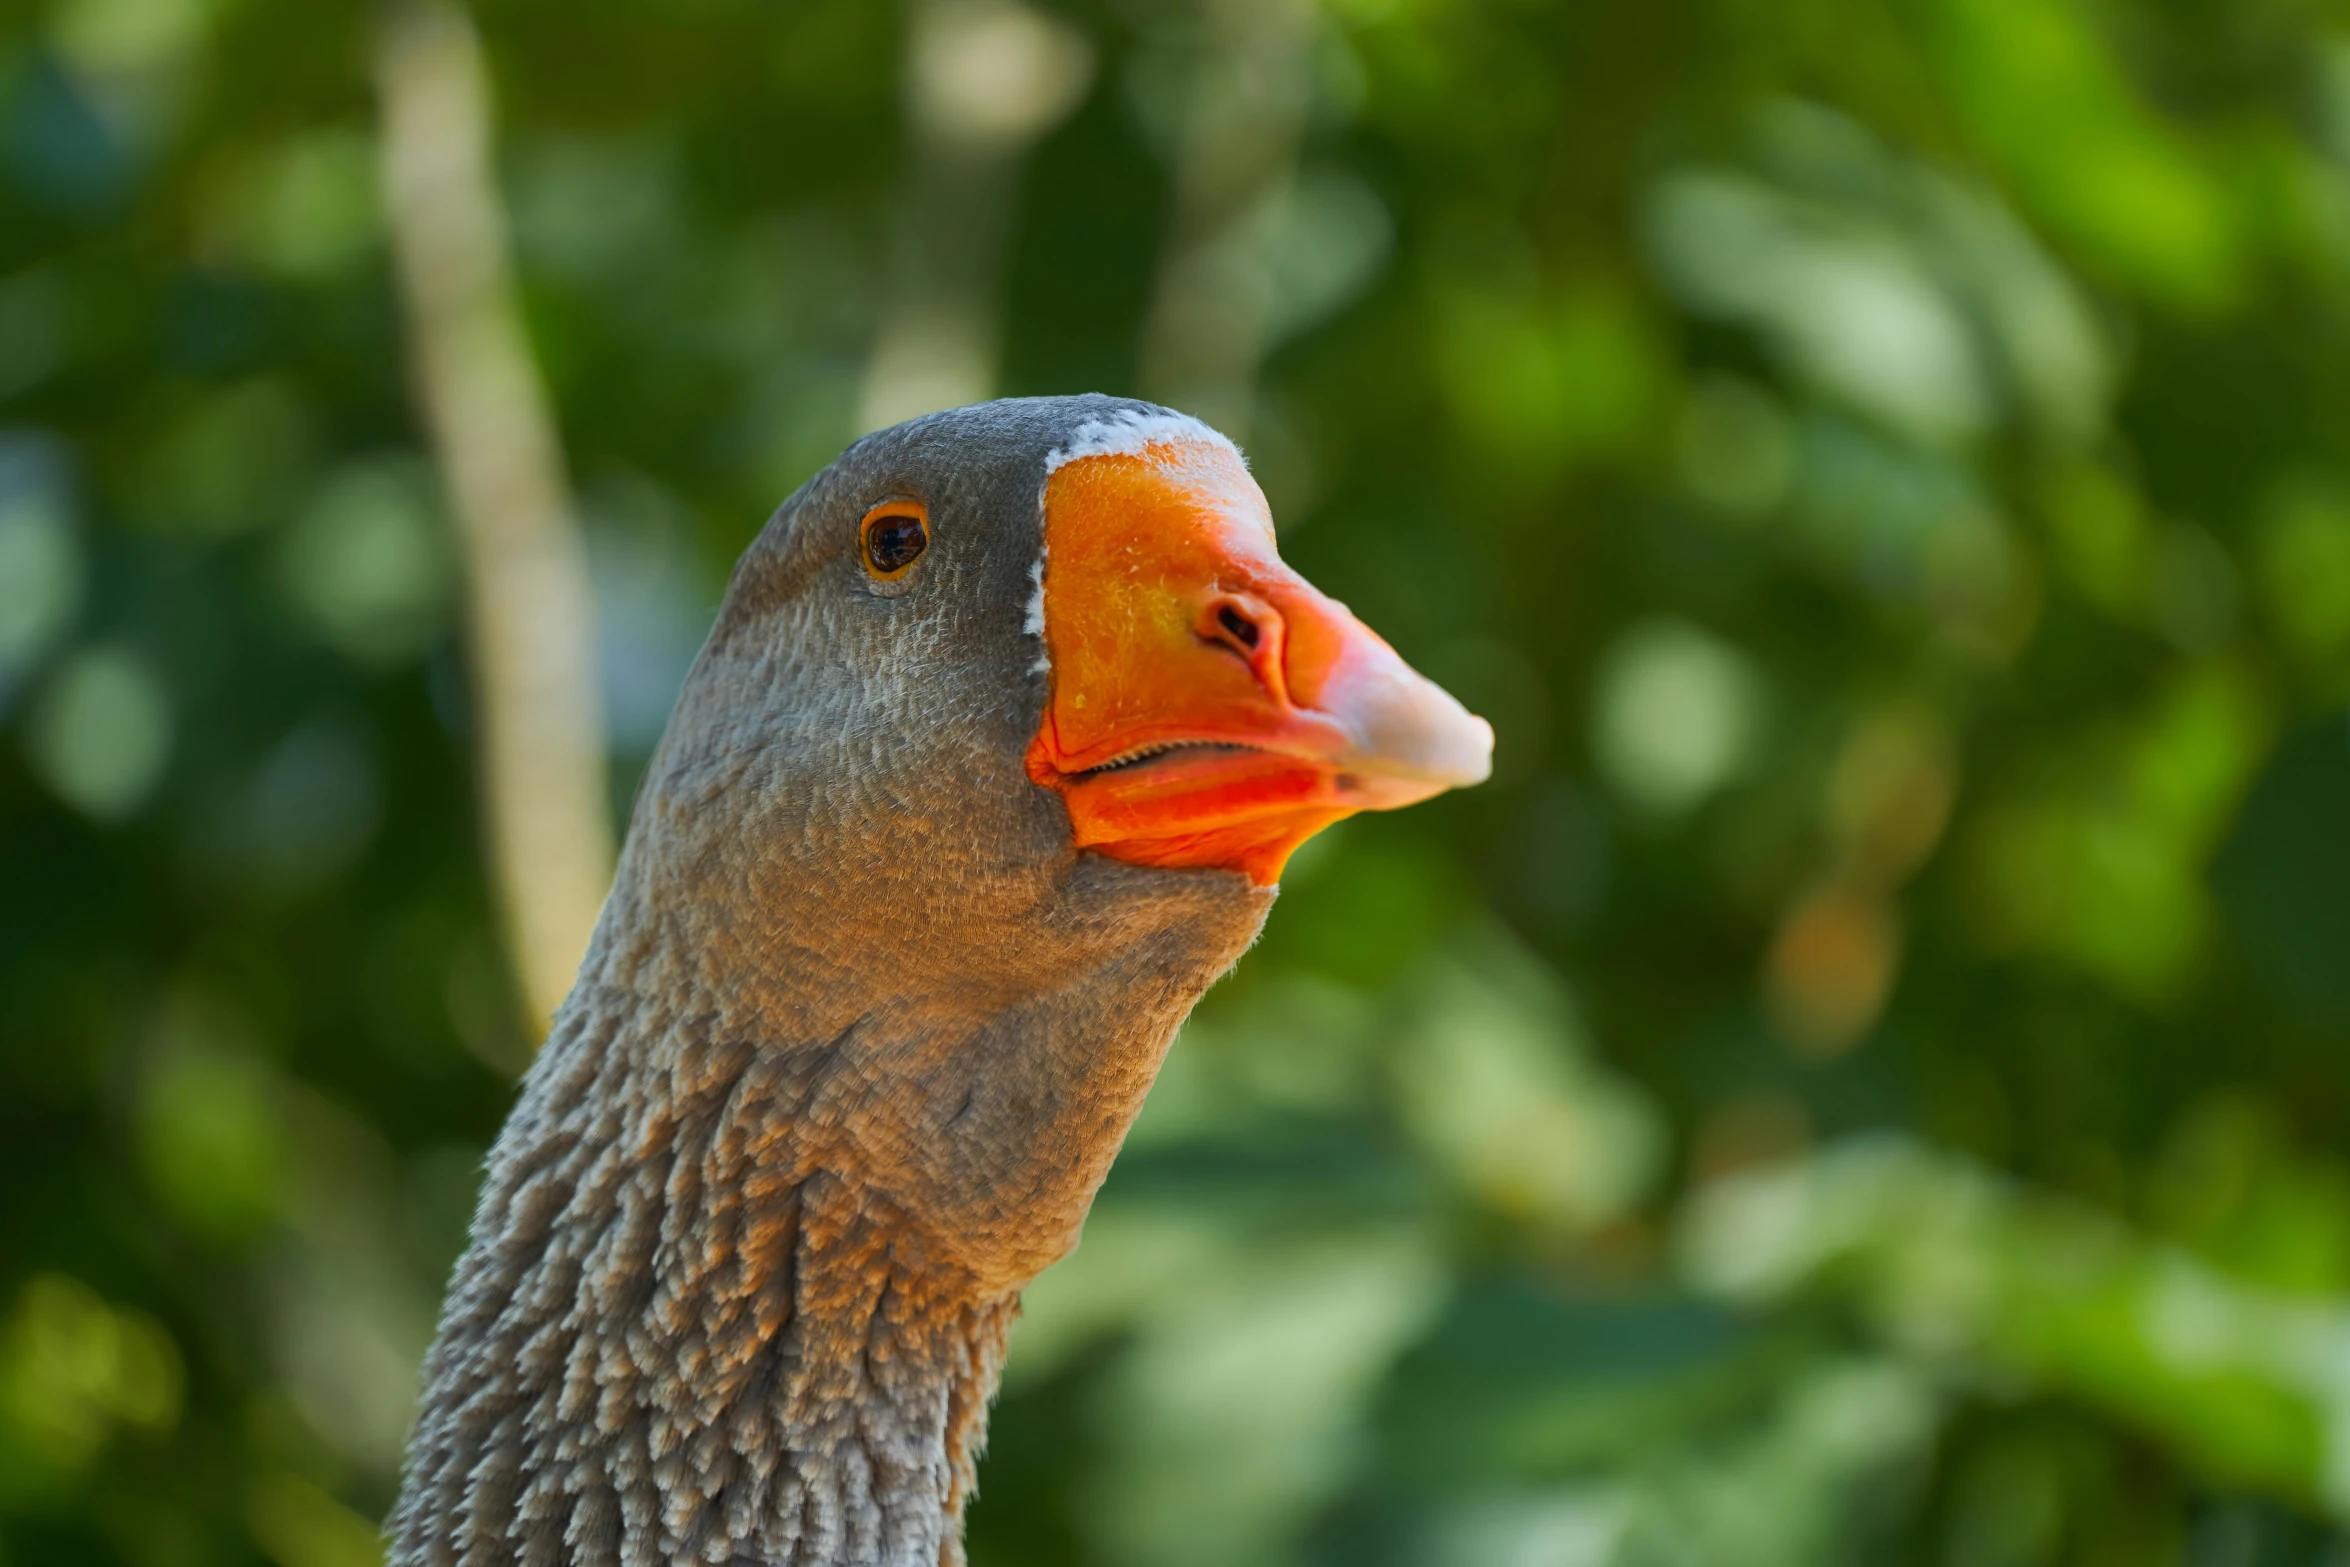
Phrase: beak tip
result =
(1417, 732)
(1463, 754)
(1480, 768)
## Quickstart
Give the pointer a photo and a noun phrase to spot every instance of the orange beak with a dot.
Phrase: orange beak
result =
(1209, 707)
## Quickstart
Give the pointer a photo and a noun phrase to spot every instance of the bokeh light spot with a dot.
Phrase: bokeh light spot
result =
(100, 733)
(71, 1369)
(367, 562)
(40, 580)
(1675, 716)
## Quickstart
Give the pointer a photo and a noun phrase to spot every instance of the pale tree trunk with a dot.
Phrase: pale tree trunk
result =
(530, 614)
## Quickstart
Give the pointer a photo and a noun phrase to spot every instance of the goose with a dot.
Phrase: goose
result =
(1007, 724)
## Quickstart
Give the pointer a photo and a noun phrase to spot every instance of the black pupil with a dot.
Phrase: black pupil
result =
(894, 542)
(1239, 625)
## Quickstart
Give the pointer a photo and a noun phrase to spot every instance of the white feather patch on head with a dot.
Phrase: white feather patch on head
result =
(1126, 433)
(1034, 624)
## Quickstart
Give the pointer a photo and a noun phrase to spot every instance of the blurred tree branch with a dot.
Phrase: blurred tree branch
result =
(1235, 168)
(983, 81)
(530, 611)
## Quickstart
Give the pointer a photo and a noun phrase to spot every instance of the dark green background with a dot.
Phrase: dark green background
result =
(1884, 468)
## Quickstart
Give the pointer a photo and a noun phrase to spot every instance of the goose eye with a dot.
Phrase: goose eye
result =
(894, 536)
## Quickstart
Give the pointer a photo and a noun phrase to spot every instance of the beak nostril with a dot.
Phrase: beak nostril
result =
(1245, 627)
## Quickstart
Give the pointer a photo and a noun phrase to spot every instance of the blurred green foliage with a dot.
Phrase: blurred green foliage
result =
(1865, 1083)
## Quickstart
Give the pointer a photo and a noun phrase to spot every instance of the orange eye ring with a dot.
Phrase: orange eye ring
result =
(892, 538)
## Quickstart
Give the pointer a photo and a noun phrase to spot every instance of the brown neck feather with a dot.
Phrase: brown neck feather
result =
(678, 1337)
